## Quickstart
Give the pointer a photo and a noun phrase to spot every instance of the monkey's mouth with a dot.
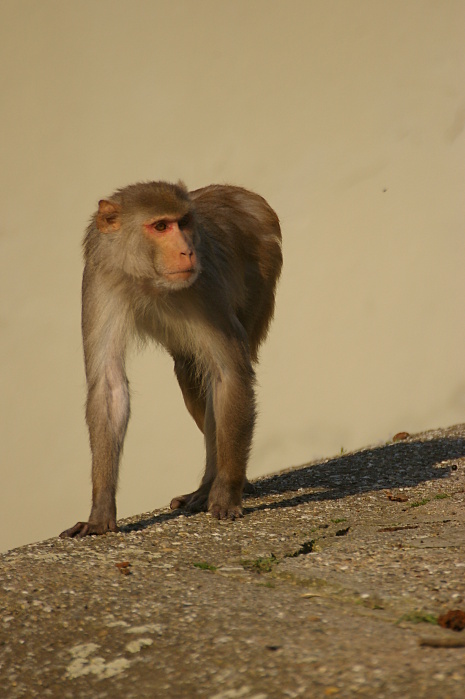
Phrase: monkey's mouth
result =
(183, 275)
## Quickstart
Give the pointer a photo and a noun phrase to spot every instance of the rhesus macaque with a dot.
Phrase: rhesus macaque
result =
(196, 272)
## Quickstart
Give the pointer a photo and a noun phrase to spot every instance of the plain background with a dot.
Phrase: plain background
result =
(347, 115)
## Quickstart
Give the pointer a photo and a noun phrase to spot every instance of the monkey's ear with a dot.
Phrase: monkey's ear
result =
(181, 185)
(108, 217)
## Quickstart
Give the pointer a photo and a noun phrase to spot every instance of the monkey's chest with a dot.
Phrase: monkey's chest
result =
(178, 333)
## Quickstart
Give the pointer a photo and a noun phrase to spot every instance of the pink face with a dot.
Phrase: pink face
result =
(172, 237)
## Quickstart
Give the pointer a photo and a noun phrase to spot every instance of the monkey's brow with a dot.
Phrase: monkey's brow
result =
(166, 218)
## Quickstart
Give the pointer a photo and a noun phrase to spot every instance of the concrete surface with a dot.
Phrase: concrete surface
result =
(330, 585)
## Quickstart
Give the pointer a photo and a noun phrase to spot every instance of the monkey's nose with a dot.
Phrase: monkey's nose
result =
(188, 259)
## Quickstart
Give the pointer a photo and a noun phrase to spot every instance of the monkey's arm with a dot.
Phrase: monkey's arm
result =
(104, 329)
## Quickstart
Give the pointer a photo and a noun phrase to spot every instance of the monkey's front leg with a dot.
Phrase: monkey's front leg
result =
(234, 414)
(107, 417)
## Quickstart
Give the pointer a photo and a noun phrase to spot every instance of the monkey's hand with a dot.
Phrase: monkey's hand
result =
(87, 528)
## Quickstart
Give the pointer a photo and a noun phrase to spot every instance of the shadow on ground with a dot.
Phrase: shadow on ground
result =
(397, 465)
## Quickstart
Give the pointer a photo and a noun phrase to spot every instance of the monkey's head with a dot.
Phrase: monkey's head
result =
(150, 232)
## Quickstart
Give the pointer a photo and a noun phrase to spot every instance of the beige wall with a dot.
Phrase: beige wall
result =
(347, 115)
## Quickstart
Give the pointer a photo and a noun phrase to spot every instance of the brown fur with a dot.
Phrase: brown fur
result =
(197, 273)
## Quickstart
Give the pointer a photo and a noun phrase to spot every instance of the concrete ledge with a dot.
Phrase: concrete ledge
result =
(330, 586)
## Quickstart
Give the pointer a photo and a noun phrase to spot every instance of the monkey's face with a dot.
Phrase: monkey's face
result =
(172, 240)
(153, 234)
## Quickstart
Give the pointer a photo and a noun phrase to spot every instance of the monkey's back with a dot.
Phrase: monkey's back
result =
(235, 221)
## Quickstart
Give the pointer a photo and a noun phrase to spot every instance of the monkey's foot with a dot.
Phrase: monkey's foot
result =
(193, 502)
(250, 488)
(224, 501)
(87, 528)
(231, 512)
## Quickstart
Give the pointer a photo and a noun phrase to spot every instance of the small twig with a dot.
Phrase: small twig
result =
(442, 642)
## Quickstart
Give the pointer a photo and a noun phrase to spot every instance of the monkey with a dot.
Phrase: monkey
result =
(196, 272)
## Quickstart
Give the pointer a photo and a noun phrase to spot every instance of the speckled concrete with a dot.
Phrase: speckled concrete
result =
(329, 586)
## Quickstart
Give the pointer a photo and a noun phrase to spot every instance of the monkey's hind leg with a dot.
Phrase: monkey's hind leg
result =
(196, 402)
(190, 383)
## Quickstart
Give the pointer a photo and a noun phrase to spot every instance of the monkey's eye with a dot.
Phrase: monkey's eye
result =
(184, 221)
(160, 226)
